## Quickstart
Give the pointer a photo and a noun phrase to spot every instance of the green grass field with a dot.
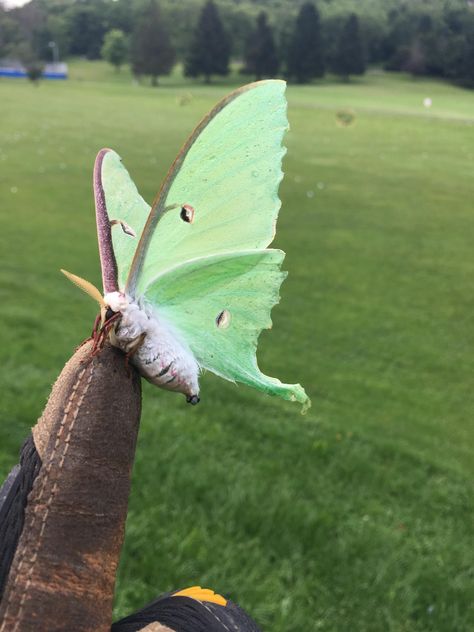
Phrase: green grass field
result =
(358, 516)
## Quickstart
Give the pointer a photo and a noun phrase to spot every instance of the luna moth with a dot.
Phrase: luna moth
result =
(189, 282)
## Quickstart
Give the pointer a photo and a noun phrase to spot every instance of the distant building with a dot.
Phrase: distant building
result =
(14, 68)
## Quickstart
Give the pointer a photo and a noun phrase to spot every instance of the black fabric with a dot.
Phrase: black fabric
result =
(13, 497)
(183, 614)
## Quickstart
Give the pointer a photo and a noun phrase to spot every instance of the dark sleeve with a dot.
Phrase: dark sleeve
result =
(183, 614)
(13, 498)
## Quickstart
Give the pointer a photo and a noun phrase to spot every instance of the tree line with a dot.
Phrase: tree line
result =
(296, 39)
(151, 51)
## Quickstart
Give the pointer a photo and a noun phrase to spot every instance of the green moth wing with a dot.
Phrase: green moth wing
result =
(218, 305)
(126, 210)
(228, 172)
(198, 255)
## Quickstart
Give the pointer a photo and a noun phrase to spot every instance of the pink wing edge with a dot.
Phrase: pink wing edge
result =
(107, 257)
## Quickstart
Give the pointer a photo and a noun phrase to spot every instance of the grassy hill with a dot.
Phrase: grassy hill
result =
(359, 515)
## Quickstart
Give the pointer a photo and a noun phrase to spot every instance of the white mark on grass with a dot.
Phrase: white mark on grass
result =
(14, 190)
(309, 194)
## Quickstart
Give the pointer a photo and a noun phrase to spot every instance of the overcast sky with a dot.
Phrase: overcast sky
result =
(13, 3)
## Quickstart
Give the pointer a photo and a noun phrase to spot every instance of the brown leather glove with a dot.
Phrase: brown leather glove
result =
(63, 571)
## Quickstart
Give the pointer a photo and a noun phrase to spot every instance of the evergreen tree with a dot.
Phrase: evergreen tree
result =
(115, 48)
(210, 50)
(305, 53)
(261, 58)
(350, 58)
(151, 51)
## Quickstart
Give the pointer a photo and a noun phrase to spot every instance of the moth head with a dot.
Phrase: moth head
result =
(116, 301)
(109, 304)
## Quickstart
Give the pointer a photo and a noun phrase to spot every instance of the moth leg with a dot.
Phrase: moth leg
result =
(96, 329)
(102, 332)
(94, 333)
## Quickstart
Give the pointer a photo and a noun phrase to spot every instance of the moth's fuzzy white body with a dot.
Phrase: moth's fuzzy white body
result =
(157, 352)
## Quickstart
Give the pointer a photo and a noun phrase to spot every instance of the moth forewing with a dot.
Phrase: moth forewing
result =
(191, 276)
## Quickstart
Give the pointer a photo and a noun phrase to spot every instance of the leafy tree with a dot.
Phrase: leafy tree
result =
(305, 53)
(467, 71)
(121, 15)
(261, 57)
(416, 60)
(350, 57)
(9, 32)
(24, 52)
(241, 24)
(87, 27)
(57, 31)
(151, 52)
(374, 34)
(34, 70)
(181, 19)
(115, 48)
(210, 50)
(458, 59)
(431, 37)
(30, 21)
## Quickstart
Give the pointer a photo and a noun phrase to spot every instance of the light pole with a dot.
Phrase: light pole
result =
(55, 49)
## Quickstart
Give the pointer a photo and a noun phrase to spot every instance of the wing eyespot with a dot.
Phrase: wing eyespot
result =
(223, 319)
(187, 213)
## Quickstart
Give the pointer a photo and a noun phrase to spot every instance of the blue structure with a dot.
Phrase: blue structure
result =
(14, 68)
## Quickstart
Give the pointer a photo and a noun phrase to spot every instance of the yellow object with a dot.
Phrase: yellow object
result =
(86, 286)
(201, 594)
